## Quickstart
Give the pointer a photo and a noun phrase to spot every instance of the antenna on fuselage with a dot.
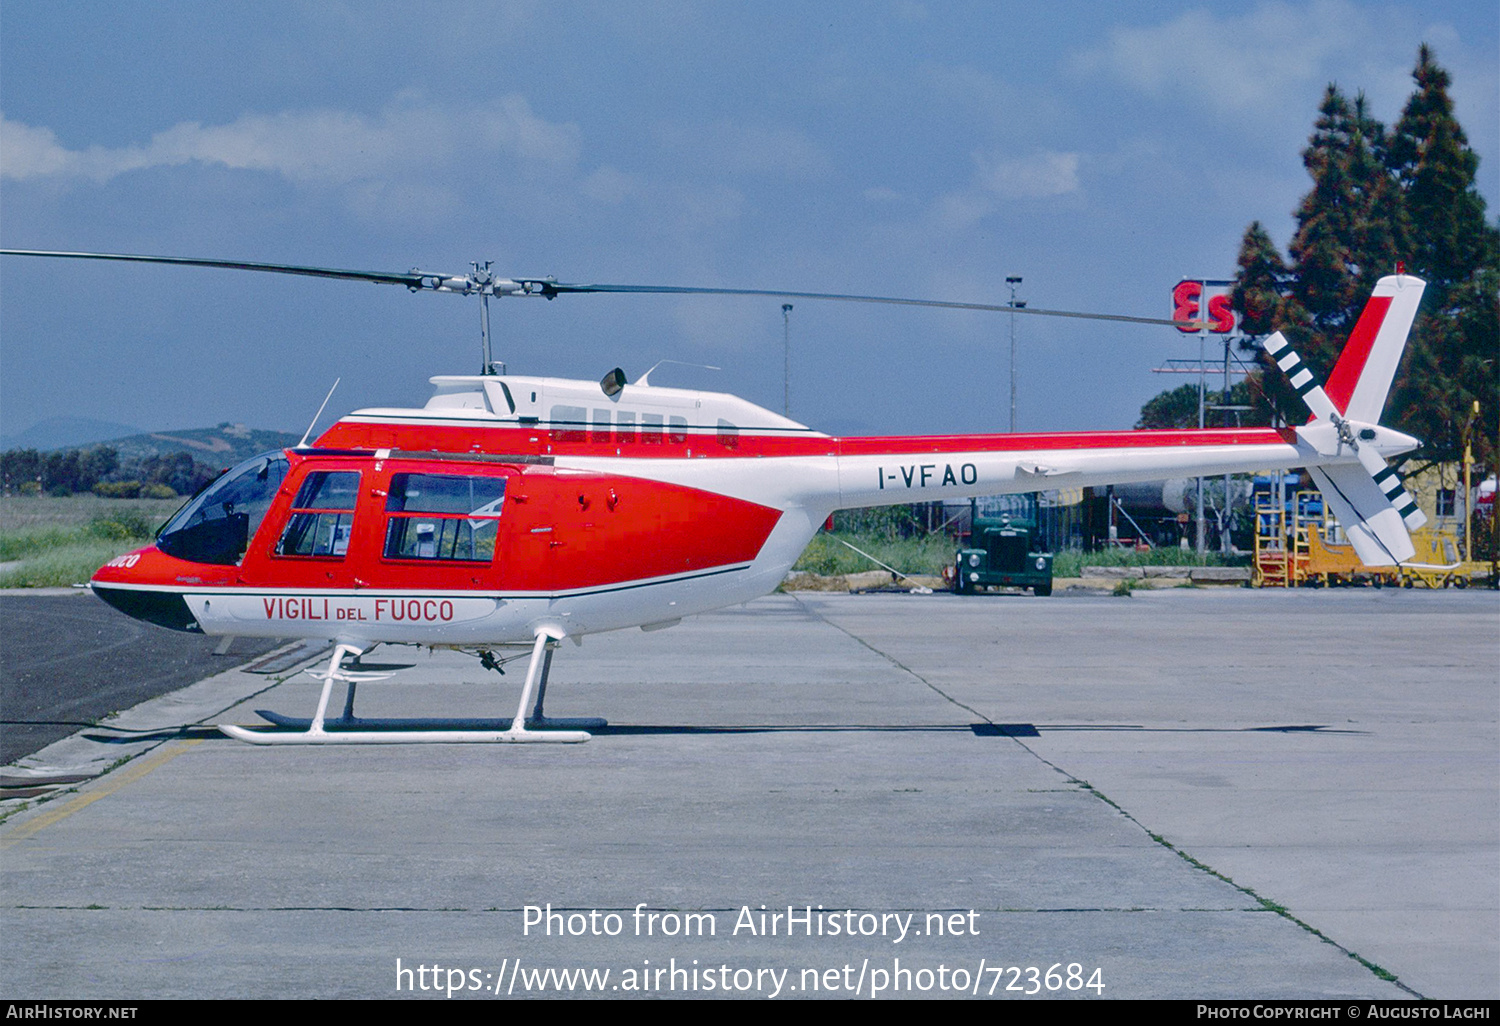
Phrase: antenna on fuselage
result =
(680, 363)
(303, 444)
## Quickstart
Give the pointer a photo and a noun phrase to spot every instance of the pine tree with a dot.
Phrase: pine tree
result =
(1260, 297)
(1351, 227)
(1430, 156)
(1456, 340)
(1378, 198)
(1260, 283)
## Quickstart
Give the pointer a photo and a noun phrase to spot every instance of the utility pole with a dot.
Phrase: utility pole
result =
(1202, 392)
(1014, 306)
(786, 361)
(1225, 521)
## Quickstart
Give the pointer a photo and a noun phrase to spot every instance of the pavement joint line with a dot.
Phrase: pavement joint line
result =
(1264, 904)
(1084, 785)
(113, 783)
(896, 663)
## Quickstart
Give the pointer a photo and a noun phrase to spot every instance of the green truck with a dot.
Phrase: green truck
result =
(1005, 550)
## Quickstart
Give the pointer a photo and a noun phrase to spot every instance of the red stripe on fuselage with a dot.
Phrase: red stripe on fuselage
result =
(505, 438)
(1061, 440)
(1351, 364)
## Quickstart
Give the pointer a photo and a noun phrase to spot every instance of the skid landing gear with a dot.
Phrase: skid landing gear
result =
(351, 730)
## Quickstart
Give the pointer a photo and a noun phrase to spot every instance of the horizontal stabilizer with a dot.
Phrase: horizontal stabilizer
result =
(1374, 527)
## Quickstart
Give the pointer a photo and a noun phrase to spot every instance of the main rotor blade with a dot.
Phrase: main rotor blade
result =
(411, 279)
(549, 288)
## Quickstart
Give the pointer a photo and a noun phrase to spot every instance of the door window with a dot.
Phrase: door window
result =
(443, 516)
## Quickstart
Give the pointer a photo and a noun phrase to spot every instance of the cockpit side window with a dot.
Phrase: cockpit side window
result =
(322, 515)
(217, 525)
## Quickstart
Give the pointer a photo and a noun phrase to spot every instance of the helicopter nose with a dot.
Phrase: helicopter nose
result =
(163, 608)
(132, 585)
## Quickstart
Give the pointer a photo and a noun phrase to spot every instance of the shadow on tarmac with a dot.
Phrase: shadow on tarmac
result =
(202, 732)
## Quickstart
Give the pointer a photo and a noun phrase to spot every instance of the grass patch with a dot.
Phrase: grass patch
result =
(824, 555)
(18, 512)
(62, 541)
(1070, 563)
(64, 566)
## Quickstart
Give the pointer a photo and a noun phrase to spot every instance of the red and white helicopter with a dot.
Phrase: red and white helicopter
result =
(518, 511)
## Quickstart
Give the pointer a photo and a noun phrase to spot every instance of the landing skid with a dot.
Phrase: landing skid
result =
(349, 729)
(344, 723)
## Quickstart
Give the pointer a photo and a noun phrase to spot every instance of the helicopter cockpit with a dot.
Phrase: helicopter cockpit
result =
(216, 526)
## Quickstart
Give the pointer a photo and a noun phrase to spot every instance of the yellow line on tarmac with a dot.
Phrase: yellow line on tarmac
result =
(112, 783)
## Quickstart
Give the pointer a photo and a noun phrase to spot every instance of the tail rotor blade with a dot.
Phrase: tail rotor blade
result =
(1392, 487)
(1301, 377)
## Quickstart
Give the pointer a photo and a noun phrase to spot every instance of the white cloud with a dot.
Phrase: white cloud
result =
(27, 152)
(610, 185)
(958, 211)
(1040, 174)
(1258, 64)
(732, 148)
(327, 147)
(704, 208)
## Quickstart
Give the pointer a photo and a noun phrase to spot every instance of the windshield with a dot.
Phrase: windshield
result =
(217, 526)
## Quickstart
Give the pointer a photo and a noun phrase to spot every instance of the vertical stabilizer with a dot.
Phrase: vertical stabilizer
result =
(1368, 497)
(1362, 377)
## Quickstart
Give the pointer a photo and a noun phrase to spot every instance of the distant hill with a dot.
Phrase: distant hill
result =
(66, 433)
(222, 446)
(216, 447)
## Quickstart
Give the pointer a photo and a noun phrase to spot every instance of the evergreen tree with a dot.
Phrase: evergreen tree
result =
(1456, 340)
(1260, 283)
(1430, 156)
(1178, 408)
(1350, 227)
(1378, 198)
(1260, 297)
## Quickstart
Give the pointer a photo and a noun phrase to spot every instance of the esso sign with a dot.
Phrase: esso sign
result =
(1203, 301)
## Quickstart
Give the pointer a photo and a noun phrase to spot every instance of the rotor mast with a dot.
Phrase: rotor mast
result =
(486, 279)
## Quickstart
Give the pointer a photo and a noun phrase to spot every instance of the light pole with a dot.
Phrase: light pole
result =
(786, 362)
(1014, 306)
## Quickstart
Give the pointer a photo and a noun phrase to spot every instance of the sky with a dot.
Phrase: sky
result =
(890, 148)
